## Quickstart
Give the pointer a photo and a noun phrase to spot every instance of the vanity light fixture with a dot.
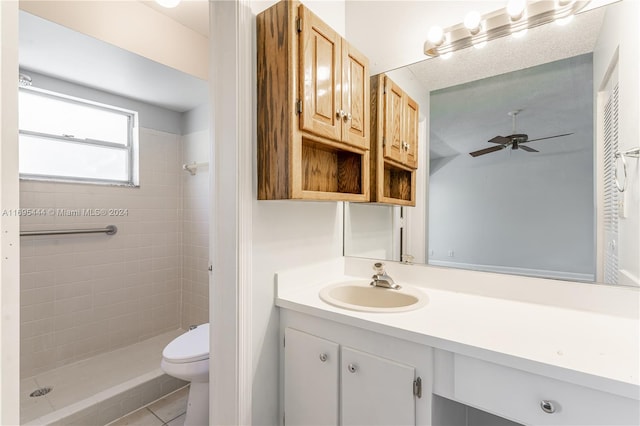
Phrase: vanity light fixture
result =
(517, 17)
(516, 8)
(473, 22)
(436, 35)
(520, 33)
(480, 44)
(565, 20)
(168, 3)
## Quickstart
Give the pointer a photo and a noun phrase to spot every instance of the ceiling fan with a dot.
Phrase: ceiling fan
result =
(515, 141)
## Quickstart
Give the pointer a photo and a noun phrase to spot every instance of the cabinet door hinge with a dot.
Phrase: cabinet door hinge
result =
(417, 387)
(284, 341)
(283, 420)
(299, 25)
(384, 142)
(299, 106)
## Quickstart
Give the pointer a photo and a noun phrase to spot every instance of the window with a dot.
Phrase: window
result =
(69, 139)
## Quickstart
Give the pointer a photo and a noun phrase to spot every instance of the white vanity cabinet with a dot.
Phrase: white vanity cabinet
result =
(504, 358)
(376, 391)
(311, 379)
(330, 379)
(525, 397)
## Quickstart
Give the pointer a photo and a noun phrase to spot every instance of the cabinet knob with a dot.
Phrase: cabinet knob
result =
(548, 406)
(347, 117)
(323, 357)
(340, 113)
(352, 368)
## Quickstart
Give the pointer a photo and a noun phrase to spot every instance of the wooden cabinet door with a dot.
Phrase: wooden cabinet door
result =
(310, 379)
(392, 130)
(411, 132)
(320, 77)
(355, 96)
(375, 391)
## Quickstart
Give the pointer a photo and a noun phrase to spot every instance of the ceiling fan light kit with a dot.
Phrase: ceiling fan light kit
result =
(515, 140)
(515, 18)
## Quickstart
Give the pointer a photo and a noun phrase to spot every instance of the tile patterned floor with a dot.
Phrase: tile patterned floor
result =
(168, 411)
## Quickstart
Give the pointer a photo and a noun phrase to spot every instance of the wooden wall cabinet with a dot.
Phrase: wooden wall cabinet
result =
(394, 143)
(313, 116)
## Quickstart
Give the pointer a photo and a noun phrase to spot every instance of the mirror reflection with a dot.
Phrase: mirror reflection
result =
(527, 205)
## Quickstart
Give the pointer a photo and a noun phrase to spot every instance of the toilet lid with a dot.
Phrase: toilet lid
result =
(189, 347)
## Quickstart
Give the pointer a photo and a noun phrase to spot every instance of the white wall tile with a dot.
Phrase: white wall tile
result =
(86, 293)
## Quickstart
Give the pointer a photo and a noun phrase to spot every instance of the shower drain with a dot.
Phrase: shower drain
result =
(41, 392)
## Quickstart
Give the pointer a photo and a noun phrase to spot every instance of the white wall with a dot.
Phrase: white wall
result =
(9, 199)
(286, 234)
(195, 229)
(86, 294)
(368, 231)
(620, 30)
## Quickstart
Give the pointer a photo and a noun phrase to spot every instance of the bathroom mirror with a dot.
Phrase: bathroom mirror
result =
(509, 211)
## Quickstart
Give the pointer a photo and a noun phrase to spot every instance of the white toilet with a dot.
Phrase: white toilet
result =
(187, 357)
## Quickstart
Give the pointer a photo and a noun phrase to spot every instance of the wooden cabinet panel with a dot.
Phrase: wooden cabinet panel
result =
(394, 147)
(320, 77)
(393, 123)
(355, 96)
(313, 120)
(411, 132)
(311, 382)
(375, 391)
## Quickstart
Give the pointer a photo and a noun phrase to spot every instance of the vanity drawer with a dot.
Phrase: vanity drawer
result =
(518, 396)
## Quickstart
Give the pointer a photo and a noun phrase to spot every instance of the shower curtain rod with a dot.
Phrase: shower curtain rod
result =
(109, 230)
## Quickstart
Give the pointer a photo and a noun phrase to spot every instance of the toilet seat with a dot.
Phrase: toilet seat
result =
(191, 346)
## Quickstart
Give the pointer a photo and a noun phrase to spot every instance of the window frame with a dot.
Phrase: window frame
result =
(131, 146)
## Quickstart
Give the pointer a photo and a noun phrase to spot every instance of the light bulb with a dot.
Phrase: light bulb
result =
(472, 22)
(515, 8)
(436, 35)
(168, 3)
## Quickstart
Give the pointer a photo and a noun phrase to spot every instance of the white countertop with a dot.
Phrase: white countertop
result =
(593, 348)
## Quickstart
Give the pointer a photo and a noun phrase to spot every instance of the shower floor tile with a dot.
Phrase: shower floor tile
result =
(84, 379)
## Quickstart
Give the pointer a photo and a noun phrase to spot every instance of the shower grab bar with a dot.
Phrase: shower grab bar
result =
(109, 230)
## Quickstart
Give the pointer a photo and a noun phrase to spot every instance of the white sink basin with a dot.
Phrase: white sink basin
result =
(360, 296)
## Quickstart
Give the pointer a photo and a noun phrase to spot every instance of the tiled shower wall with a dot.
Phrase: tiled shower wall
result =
(195, 231)
(86, 294)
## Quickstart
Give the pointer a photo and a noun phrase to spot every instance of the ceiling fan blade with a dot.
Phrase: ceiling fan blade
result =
(548, 137)
(500, 139)
(486, 150)
(528, 149)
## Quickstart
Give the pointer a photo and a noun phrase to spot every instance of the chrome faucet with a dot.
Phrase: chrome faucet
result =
(381, 279)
